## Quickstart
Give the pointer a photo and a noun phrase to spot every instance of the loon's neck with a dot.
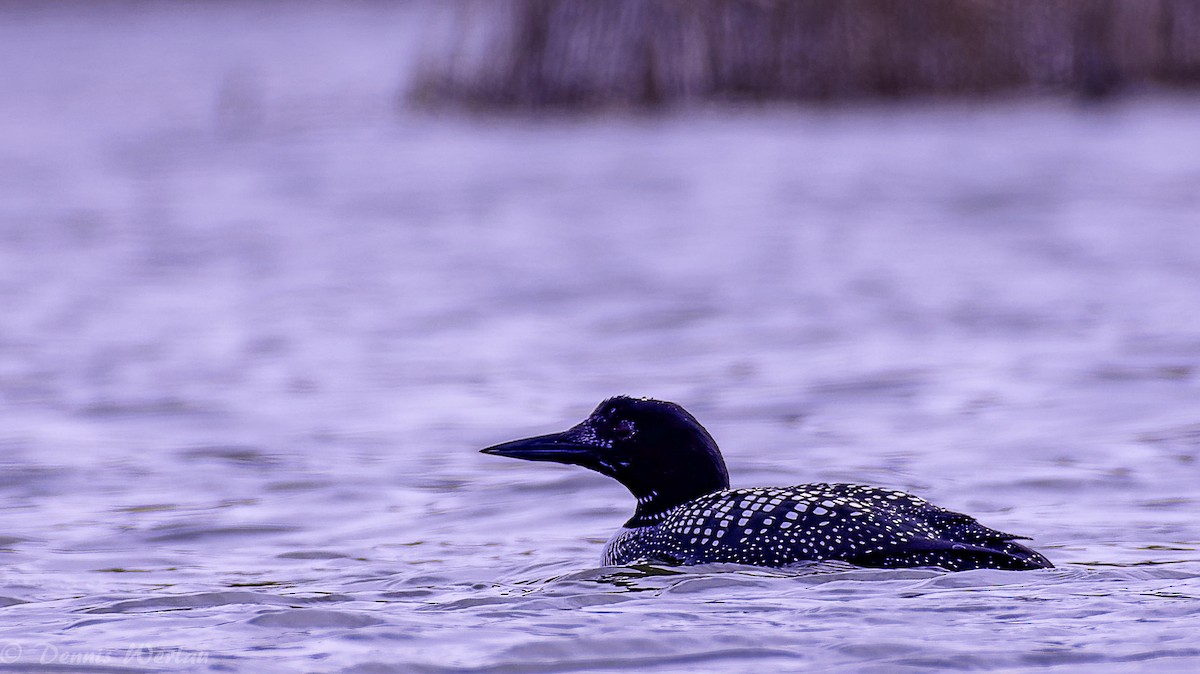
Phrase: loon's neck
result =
(653, 505)
(671, 472)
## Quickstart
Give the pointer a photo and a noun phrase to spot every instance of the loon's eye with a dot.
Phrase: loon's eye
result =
(624, 430)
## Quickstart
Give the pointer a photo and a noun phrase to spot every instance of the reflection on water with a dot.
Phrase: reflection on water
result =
(244, 375)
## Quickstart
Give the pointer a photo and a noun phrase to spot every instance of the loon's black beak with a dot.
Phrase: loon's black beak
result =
(557, 447)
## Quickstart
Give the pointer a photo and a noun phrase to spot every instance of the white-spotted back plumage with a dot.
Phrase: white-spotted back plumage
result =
(778, 526)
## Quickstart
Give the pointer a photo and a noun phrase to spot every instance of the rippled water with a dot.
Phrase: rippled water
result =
(257, 321)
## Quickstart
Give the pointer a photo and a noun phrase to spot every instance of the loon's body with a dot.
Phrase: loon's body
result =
(687, 514)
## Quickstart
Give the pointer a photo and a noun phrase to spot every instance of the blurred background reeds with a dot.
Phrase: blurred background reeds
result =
(645, 53)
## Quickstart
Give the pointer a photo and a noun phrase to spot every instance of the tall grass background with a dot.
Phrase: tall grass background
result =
(645, 53)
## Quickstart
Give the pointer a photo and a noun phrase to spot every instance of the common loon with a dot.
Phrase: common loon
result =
(687, 514)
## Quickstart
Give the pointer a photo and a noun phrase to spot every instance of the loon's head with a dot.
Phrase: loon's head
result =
(655, 448)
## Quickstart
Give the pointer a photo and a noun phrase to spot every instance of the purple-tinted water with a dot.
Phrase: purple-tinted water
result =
(257, 319)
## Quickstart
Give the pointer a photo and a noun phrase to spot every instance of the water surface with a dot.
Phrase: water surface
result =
(257, 320)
